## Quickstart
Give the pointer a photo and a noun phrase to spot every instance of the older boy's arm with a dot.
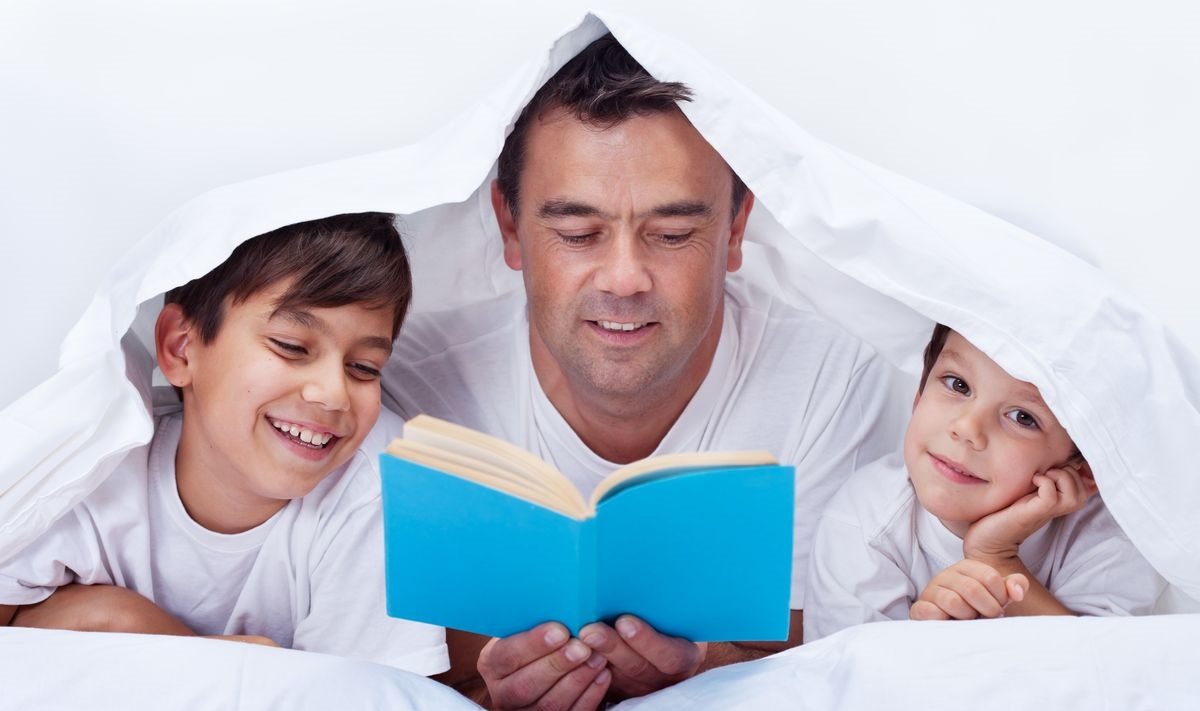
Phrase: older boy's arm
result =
(99, 608)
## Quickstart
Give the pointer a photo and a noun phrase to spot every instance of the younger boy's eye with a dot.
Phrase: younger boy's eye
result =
(291, 349)
(1022, 418)
(957, 384)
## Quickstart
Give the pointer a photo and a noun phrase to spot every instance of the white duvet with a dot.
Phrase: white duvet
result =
(873, 251)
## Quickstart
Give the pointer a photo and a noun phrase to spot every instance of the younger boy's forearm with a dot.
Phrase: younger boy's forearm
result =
(1038, 600)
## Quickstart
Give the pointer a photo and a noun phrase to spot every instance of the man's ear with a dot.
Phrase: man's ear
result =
(737, 232)
(508, 228)
(172, 334)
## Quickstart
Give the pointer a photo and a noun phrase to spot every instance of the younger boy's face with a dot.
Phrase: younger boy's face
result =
(977, 437)
(275, 402)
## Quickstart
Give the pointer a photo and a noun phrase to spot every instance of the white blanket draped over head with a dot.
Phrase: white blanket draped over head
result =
(872, 251)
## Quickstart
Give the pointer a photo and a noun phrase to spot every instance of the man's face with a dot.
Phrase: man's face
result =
(279, 399)
(624, 235)
(977, 437)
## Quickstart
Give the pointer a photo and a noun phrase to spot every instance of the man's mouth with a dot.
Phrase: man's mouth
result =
(622, 326)
(305, 436)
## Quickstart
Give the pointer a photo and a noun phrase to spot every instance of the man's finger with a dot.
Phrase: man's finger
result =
(501, 657)
(529, 683)
(593, 696)
(671, 656)
(574, 686)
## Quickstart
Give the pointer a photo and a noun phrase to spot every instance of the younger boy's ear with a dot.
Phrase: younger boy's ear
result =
(172, 334)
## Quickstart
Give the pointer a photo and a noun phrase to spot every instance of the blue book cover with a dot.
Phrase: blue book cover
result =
(702, 552)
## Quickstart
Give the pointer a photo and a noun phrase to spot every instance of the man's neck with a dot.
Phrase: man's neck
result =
(622, 428)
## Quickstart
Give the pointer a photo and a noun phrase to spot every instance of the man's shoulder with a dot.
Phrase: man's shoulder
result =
(438, 333)
(877, 497)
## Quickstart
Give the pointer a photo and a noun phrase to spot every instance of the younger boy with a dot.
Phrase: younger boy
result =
(990, 511)
(255, 511)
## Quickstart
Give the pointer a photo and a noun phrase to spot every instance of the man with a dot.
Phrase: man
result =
(628, 342)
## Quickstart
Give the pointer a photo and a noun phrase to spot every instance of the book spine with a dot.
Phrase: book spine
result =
(588, 574)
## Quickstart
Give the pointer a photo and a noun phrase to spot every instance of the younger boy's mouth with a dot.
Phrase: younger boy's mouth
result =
(954, 471)
(306, 437)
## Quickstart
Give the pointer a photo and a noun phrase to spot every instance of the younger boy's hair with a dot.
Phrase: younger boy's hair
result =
(602, 86)
(334, 261)
(936, 342)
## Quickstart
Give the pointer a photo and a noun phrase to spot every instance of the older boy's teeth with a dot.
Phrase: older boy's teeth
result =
(614, 326)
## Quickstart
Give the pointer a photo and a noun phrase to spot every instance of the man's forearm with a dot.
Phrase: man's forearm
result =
(6, 614)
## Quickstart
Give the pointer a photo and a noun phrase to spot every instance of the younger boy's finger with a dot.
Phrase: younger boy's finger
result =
(926, 610)
(1016, 584)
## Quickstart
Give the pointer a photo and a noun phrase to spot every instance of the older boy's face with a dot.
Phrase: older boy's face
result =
(978, 436)
(624, 235)
(278, 400)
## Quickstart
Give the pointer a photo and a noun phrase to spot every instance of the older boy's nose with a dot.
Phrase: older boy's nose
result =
(326, 386)
(623, 269)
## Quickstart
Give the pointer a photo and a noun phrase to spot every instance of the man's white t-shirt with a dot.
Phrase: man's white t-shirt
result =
(876, 548)
(311, 577)
(782, 380)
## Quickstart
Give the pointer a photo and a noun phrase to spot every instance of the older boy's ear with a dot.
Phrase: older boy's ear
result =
(172, 334)
(508, 227)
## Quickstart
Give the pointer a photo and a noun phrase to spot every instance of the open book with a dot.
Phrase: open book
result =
(485, 537)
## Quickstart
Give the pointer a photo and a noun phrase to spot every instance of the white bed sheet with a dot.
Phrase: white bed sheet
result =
(53, 669)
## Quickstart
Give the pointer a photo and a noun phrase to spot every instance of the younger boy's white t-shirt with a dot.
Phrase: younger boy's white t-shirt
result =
(876, 548)
(311, 577)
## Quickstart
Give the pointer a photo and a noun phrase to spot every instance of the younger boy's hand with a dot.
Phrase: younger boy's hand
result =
(967, 590)
(1059, 492)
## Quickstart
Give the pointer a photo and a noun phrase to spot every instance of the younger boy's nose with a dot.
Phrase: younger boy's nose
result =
(967, 428)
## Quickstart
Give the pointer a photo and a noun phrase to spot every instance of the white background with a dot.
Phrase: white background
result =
(1077, 120)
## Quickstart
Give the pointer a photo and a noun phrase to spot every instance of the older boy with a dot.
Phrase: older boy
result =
(991, 511)
(254, 512)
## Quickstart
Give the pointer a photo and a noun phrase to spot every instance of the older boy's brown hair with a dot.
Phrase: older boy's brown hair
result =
(334, 261)
(603, 86)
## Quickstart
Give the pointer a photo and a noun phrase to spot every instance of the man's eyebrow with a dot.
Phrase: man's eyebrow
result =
(683, 208)
(568, 208)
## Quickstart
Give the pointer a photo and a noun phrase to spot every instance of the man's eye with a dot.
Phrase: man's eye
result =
(957, 384)
(291, 349)
(576, 240)
(673, 238)
(1022, 418)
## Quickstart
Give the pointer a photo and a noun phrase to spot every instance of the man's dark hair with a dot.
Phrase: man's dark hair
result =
(335, 261)
(936, 343)
(603, 85)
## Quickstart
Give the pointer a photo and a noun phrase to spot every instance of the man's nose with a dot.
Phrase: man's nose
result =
(325, 385)
(623, 270)
(968, 427)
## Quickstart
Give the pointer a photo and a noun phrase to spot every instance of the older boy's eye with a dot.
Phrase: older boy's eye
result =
(288, 348)
(1022, 418)
(956, 384)
(362, 371)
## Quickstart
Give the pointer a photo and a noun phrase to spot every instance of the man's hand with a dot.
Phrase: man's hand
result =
(967, 590)
(543, 668)
(641, 659)
(1060, 491)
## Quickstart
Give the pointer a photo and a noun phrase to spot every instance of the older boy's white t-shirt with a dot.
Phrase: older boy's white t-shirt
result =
(782, 380)
(876, 548)
(309, 578)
